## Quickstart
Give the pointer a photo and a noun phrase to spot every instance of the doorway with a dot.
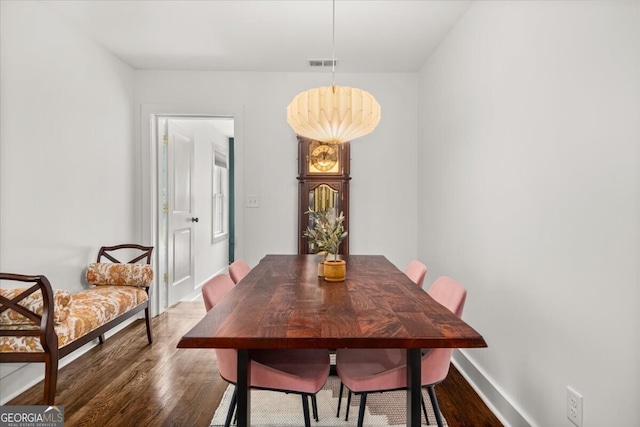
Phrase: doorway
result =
(194, 196)
(150, 193)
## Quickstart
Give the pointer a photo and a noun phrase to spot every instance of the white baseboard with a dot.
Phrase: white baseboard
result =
(497, 401)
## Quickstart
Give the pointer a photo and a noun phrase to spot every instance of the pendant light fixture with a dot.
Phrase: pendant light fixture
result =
(333, 113)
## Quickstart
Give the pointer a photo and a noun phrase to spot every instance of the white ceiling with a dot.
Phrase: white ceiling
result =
(265, 35)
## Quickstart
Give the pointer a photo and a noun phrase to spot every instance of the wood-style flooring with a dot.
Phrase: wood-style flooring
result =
(127, 382)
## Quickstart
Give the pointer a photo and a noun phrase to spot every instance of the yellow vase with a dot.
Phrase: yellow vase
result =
(321, 269)
(335, 271)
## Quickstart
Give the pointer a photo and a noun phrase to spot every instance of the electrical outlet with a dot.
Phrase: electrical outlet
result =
(574, 406)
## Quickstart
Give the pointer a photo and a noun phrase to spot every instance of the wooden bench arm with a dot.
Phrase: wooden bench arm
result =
(46, 332)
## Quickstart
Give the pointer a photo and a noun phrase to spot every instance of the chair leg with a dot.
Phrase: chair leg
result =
(232, 407)
(314, 406)
(434, 402)
(363, 403)
(305, 410)
(101, 339)
(147, 320)
(50, 379)
(340, 398)
(424, 408)
(346, 418)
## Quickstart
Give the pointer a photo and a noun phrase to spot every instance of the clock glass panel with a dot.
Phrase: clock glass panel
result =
(323, 158)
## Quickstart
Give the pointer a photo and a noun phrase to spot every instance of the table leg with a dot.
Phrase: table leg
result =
(244, 391)
(414, 386)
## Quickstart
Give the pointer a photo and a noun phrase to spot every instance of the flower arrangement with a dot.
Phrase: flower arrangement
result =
(327, 232)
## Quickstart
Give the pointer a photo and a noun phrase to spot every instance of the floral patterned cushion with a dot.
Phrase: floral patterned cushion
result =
(88, 310)
(140, 275)
(61, 301)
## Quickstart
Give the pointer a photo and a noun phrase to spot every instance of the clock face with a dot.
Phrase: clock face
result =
(323, 158)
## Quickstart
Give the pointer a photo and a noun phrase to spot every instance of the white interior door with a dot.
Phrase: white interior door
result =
(180, 206)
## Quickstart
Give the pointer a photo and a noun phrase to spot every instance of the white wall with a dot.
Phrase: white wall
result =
(67, 155)
(528, 187)
(383, 185)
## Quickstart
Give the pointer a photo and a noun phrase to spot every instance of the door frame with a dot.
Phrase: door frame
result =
(149, 221)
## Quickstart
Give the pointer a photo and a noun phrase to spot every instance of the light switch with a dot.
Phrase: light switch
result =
(253, 201)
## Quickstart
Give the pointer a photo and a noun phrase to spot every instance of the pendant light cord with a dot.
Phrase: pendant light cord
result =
(333, 50)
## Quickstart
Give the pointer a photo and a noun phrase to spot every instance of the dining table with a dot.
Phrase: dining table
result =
(282, 303)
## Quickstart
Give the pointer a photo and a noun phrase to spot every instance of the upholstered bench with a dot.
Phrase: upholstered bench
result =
(37, 329)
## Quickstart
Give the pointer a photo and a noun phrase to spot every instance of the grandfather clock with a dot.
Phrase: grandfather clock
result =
(323, 175)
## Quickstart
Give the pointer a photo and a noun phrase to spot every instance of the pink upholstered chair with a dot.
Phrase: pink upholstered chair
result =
(214, 289)
(377, 370)
(416, 272)
(302, 372)
(238, 269)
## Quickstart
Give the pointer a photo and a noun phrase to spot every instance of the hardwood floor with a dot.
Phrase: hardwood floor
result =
(126, 382)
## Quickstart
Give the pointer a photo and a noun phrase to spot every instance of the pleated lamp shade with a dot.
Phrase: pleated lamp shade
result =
(333, 113)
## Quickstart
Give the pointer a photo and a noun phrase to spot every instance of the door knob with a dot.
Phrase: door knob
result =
(194, 219)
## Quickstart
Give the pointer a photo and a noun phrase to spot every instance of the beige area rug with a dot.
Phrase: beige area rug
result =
(274, 409)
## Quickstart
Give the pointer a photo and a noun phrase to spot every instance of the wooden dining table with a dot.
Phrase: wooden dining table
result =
(283, 304)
